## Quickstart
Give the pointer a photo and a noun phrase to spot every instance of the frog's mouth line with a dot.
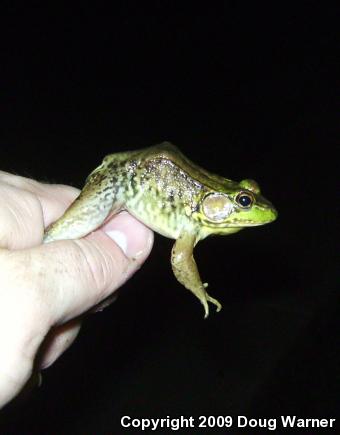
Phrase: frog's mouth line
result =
(238, 224)
(251, 223)
(247, 224)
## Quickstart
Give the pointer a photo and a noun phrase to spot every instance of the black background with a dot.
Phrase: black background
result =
(246, 92)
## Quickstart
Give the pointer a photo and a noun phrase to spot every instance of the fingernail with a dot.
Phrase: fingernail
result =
(133, 238)
(119, 238)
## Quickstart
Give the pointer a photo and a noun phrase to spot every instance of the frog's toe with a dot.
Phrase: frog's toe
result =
(205, 284)
(215, 302)
(206, 307)
(212, 301)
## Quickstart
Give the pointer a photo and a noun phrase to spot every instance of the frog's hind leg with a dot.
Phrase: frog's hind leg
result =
(185, 270)
(96, 202)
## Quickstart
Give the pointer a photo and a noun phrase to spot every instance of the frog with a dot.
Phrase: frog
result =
(174, 197)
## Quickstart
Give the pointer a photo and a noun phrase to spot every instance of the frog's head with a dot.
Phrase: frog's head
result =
(237, 206)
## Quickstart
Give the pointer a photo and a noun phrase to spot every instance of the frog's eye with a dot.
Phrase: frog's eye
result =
(217, 207)
(245, 199)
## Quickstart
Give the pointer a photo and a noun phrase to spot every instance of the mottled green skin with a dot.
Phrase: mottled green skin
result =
(172, 196)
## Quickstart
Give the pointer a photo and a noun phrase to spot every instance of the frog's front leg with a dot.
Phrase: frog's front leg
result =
(185, 270)
(96, 201)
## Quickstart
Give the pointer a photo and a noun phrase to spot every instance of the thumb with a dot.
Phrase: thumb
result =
(82, 273)
(49, 284)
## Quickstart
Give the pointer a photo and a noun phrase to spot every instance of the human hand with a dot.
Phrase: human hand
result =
(44, 288)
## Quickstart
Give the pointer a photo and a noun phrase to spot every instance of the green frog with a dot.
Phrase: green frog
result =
(171, 195)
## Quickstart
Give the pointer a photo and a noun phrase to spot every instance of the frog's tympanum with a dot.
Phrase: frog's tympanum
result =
(171, 195)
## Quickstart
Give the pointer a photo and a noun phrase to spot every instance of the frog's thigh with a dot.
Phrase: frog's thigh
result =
(185, 270)
(84, 215)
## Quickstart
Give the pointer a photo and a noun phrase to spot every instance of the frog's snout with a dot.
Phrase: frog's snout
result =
(273, 214)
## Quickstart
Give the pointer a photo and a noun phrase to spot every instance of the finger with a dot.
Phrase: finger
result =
(21, 218)
(54, 198)
(27, 207)
(24, 215)
(58, 340)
